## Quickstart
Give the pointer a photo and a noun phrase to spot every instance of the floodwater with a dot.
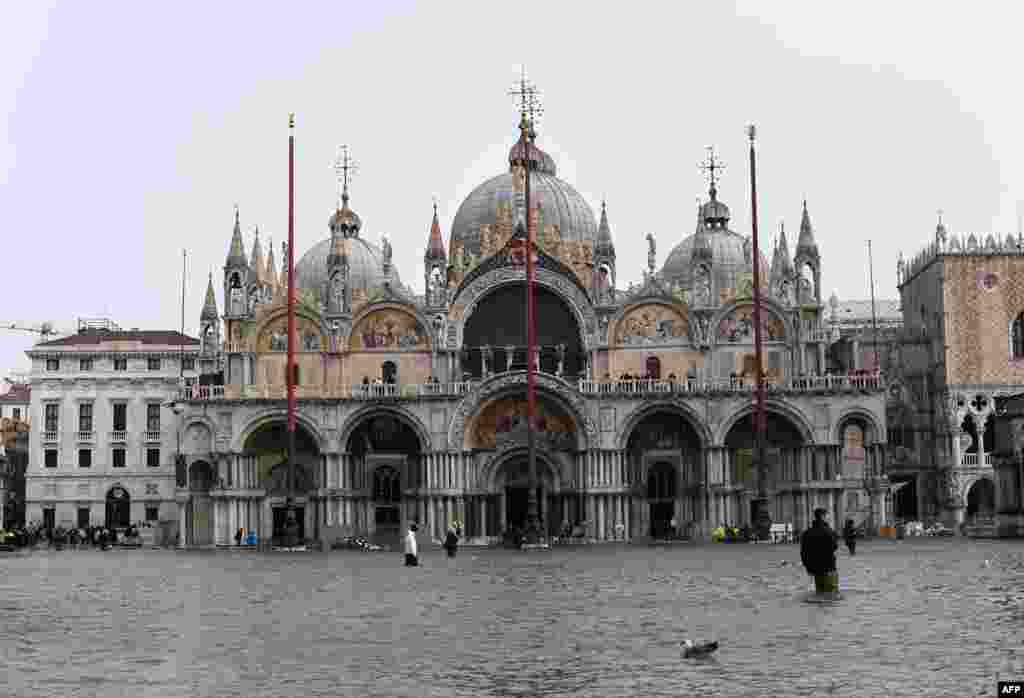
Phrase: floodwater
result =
(916, 617)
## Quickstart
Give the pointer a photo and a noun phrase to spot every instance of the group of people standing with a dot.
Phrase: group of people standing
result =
(818, 551)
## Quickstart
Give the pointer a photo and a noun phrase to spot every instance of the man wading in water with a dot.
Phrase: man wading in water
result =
(818, 553)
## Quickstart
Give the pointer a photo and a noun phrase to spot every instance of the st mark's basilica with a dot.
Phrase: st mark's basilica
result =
(412, 407)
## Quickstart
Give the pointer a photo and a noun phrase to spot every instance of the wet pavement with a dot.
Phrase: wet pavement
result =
(916, 617)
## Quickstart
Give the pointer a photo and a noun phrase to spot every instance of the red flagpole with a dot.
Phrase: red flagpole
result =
(764, 517)
(532, 508)
(291, 324)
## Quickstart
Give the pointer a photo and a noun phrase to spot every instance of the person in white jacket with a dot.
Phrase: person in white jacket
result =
(411, 549)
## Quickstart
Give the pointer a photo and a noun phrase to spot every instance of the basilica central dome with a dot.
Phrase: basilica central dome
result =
(562, 205)
(365, 266)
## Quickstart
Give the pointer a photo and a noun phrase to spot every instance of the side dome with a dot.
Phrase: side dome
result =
(365, 261)
(563, 206)
(728, 260)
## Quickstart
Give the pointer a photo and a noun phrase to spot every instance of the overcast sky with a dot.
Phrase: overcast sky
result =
(132, 129)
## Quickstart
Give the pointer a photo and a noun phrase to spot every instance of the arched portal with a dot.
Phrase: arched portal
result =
(512, 484)
(118, 508)
(981, 500)
(783, 444)
(386, 452)
(268, 444)
(664, 459)
(199, 513)
(499, 322)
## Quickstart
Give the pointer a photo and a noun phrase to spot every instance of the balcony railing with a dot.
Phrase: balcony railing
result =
(152, 436)
(118, 437)
(868, 383)
(50, 437)
(971, 460)
(86, 437)
(348, 392)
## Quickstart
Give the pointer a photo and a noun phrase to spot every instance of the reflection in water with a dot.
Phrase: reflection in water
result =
(597, 621)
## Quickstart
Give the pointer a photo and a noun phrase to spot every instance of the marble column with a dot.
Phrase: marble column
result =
(483, 517)
(182, 524)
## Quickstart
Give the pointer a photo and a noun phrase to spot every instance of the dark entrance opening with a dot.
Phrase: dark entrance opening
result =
(904, 499)
(981, 500)
(389, 372)
(281, 519)
(516, 505)
(661, 494)
(118, 508)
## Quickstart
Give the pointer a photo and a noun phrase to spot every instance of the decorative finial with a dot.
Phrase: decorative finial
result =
(236, 214)
(291, 120)
(530, 108)
(343, 167)
(805, 205)
(435, 205)
(603, 205)
(751, 133)
(711, 166)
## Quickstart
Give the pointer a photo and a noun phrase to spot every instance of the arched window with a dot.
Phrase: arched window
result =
(1017, 338)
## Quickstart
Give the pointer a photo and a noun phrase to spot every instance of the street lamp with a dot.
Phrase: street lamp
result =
(181, 474)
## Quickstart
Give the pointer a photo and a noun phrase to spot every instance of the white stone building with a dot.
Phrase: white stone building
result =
(105, 443)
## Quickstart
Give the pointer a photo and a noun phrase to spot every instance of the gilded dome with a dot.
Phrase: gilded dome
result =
(562, 206)
(365, 260)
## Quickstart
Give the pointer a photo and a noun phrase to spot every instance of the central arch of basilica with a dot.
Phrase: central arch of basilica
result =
(412, 403)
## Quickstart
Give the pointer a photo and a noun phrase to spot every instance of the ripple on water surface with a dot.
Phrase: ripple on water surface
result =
(912, 616)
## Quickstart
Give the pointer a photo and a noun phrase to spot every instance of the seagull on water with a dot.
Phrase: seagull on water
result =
(692, 651)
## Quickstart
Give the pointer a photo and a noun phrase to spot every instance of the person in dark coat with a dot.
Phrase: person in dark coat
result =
(239, 534)
(451, 542)
(850, 536)
(818, 553)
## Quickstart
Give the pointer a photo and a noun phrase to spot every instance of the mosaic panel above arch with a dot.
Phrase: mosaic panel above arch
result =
(389, 328)
(504, 421)
(652, 323)
(470, 295)
(273, 335)
(737, 327)
(559, 392)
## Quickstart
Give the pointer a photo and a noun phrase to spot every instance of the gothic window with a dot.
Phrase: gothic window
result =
(1017, 338)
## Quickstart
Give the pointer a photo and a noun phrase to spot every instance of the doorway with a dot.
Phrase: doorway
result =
(389, 373)
(281, 518)
(661, 494)
(517, 506)
(118, 508)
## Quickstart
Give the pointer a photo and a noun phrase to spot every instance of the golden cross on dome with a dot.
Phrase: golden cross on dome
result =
(710, 166)
(343, 167)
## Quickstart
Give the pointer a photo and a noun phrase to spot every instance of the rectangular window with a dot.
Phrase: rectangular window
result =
(83, 517)
(188, 364)
(50, 458)
(49, 518)
(153, 417)
(85, 364)
(152, 513)
(120, 364)
(118, 458)
(16, 413)
(85, 458)
(85, 416)
(53, 364)
(153, 364)
(51, 415)
(153, 457)
(120, 416)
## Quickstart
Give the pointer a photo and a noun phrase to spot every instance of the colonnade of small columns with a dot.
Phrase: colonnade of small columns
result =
(446, 487)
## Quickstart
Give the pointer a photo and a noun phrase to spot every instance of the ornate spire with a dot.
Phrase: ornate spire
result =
(782, 265)
(209, 311)
(940, 230)
(711, 168)
(256, 262)
(236, 251)
(806, 246)
(604, 245)
(435, 243)
(271, 266)
(344, 219)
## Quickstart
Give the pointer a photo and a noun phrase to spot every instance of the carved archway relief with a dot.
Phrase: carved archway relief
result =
(470, 296)
(389, 326)
(874, 432)
(650, 322)
(272, 330)
(554, 389)
(729, 323)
